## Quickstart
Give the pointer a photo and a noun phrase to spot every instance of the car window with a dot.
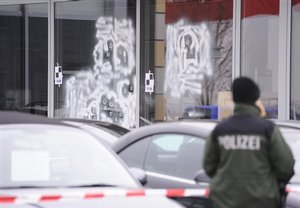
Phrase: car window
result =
(57, 156)
(175, 155)
(134, 154)
(292, 137)
(169, 142)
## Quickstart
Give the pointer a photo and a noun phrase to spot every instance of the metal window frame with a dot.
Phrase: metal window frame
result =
(284, 61)
(138, 62)
(236, 33)
(51, 33)
(50, 59)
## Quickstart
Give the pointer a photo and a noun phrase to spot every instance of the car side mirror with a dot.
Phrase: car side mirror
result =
(201, 176)
(139, 174)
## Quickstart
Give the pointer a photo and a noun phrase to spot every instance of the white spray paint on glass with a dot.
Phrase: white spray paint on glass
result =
(106, 92)
(188, 59)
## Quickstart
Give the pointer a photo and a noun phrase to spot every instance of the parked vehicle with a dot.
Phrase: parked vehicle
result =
(291, 132)
(107, 132)
(43, 160)
(172, 153)
(39, 108)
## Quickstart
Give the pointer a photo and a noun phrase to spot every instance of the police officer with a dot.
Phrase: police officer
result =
(246, 155)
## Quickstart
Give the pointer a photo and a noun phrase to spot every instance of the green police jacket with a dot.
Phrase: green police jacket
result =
(246, 156)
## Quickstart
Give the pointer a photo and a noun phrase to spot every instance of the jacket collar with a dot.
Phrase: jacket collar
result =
(245, 109)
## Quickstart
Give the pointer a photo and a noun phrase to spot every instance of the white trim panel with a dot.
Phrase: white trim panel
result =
(236, 44)
(284, 60)
(51, 59)
(138, 62)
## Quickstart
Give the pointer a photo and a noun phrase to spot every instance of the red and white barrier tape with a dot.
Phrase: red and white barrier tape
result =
(292, 189)
(67, 196)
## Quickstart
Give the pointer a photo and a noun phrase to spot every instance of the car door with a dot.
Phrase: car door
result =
(178, 158)
(170, 160)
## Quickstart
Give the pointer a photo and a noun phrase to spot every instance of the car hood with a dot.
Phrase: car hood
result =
(82, 198)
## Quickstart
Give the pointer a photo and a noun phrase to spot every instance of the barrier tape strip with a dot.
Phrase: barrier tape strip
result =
(292, 189)
(67, 196)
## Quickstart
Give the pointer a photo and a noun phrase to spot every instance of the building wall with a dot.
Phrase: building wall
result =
(186, 54)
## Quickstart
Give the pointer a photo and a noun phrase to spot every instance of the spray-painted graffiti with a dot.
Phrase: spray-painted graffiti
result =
(187, 60)
(106, 92)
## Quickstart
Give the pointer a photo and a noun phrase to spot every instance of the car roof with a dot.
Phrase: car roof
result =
(204, 127)
(200, 128)
(14, 117)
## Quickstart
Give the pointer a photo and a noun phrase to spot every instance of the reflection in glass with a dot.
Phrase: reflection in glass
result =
(198, 53)
(177, 155)
(259, 49)
(24, 58)
(295, 61)
(188, 47)
(95, 46)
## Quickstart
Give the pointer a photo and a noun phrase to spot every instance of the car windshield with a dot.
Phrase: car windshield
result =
(292, 137)
(57, 156)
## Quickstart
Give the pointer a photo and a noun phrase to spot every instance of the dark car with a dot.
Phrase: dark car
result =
(47, 163)
(172, 153)
(108, 132)
(38, 107)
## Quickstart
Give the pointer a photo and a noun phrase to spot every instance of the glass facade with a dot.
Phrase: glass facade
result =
(24, 58)
(259, 48)
(295, 62)
(95, 57)
(137, 62)
(187, 47)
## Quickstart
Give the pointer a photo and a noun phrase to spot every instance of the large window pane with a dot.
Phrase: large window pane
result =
(95, 47)
(295, 61)
(187, 45)
(24, 58)
(259, 48)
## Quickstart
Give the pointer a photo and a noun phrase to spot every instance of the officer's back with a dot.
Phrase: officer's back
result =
(246, 155)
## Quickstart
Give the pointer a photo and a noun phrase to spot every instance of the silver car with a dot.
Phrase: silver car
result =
(45, 163)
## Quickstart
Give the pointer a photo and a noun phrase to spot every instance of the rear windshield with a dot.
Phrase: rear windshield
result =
(47, 155)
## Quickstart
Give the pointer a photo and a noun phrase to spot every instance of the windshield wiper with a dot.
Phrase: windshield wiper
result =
(92, 185)
(26, 187)
(71, 186)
